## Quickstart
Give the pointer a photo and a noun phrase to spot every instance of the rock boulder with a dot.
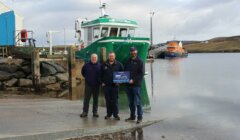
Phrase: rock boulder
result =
(9, 68)
(62, 76)
(57, 67)
(5, 76)
(48, 80)
(26, 69)
(10, 83)
(47, 69)
(19, 74)
(25, 83)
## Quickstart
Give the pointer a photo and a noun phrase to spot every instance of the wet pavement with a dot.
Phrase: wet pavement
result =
(55, 119)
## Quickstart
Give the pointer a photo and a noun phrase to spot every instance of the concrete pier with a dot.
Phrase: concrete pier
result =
(41, 119)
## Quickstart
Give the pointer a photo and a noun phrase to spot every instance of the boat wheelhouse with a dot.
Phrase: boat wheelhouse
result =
(107, 27)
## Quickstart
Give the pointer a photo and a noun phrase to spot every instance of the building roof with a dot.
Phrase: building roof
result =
(4, 8)
(110, 22)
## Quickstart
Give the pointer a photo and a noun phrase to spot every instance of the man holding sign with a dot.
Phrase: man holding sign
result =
(110, 69)
(137, 70)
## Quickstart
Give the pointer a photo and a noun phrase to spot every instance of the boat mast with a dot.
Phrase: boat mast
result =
(102, 8)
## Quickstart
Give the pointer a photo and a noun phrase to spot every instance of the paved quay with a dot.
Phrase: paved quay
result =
(31, 119)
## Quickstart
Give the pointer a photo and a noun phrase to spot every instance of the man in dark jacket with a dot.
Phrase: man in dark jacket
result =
(91, 72)
(137, 70)
(110, 88)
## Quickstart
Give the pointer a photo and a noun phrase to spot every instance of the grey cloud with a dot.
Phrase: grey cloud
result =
(188, 19)
(201, 4)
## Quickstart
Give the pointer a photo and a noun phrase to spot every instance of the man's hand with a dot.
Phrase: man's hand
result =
(103, 84)
(131, 82)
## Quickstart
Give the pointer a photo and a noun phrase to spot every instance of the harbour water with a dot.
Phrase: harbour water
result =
(197, 98)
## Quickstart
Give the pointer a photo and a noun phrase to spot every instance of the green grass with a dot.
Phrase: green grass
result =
(214, 46)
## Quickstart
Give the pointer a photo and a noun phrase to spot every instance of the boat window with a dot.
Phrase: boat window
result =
(89, 35)
(132, 32)
(104, 32)
(113, 31)
(123, 32)
(96, 33)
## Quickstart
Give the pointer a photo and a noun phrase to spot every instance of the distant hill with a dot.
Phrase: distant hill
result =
(219, 44)
(184, 43)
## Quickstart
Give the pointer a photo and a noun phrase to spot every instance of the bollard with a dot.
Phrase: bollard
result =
(36, 70)
(72, 74)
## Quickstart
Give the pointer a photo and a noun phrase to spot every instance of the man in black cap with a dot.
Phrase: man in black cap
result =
(110, 88)
(137, 70)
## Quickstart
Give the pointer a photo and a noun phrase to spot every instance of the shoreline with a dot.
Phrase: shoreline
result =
(193, 52)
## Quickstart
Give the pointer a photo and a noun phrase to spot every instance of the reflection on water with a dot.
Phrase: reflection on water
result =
(173, 67)
(198, 97)
(136, 134)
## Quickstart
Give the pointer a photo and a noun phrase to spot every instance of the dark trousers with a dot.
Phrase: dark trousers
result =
(111, 97)
(135, 101)
(91, 91)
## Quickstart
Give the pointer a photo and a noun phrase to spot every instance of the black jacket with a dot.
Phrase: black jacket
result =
(136, 68)
(91, 72)
(107, 72)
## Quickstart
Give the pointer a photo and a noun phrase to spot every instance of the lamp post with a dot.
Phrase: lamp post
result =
(151, 26)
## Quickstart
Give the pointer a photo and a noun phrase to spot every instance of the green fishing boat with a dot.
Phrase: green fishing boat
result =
(114, 35)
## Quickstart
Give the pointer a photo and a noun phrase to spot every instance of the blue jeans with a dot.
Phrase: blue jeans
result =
(111, 97)
(135, 101)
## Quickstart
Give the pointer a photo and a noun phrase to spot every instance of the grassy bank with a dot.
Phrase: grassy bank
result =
(230, 44)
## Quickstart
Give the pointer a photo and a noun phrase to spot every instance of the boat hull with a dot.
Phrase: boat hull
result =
(175, 55)
(165, 54)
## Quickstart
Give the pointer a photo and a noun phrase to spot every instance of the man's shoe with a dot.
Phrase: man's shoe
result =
(95, 115)
(117, 118)
(130, 119)
(83, 115)
(107, 117)
(139, 121)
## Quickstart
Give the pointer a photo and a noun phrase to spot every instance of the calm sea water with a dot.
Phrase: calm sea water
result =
(197, 97)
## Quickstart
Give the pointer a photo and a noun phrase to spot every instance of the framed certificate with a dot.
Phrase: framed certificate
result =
(121, 77)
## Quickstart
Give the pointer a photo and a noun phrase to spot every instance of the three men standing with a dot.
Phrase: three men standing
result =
(95, 74)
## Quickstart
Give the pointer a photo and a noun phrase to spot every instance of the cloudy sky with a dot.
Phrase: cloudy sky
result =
(184, 19)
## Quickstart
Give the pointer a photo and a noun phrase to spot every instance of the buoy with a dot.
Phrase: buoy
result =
(24, 35)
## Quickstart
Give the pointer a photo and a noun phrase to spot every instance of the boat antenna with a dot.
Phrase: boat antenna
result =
(102, 8)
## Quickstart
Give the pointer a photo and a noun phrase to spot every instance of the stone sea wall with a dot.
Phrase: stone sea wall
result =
(17, 74)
